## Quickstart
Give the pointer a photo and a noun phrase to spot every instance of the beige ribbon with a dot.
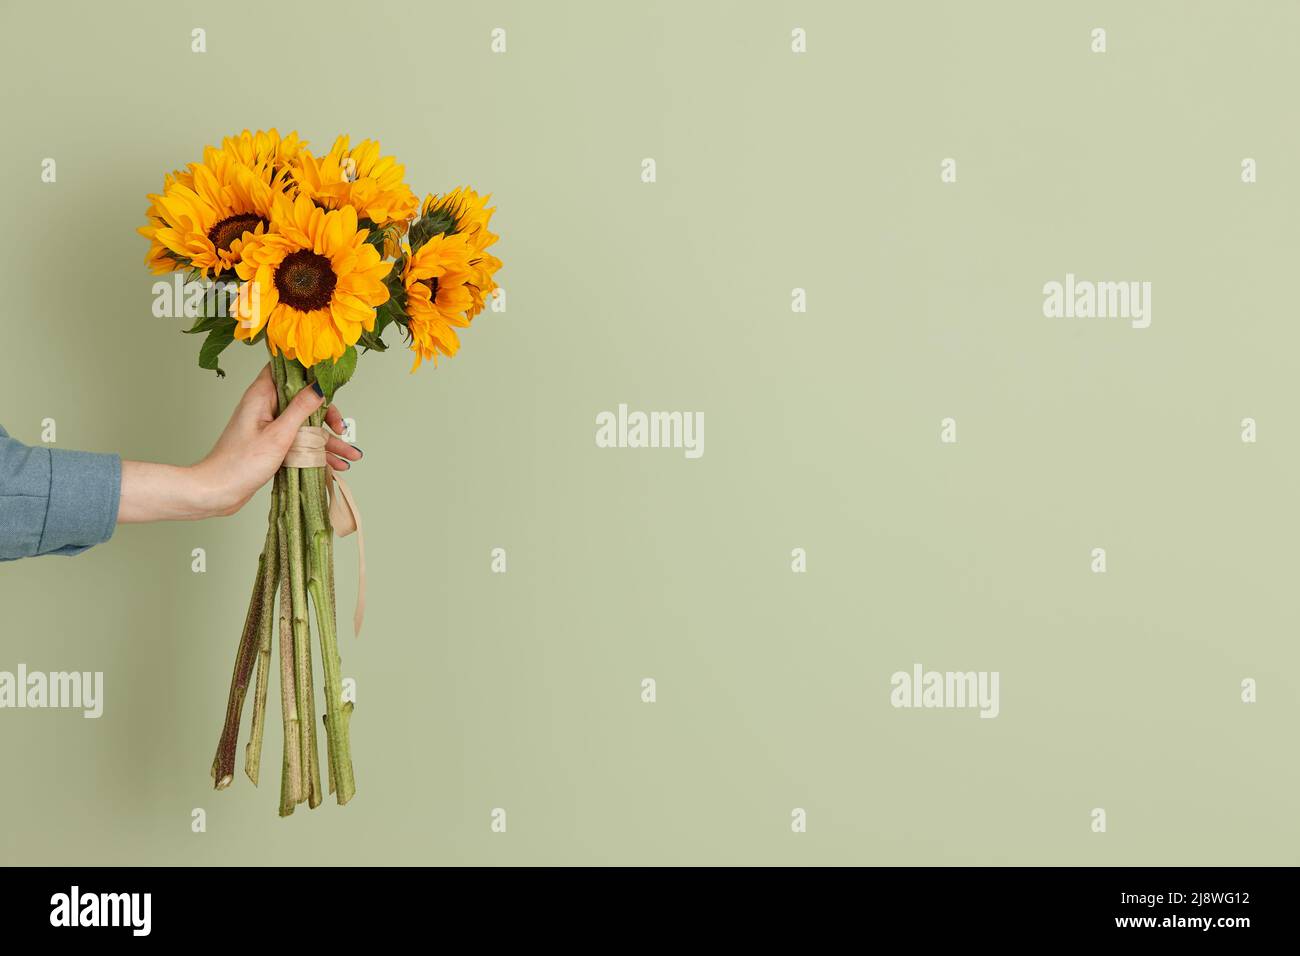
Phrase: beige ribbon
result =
(308, 451)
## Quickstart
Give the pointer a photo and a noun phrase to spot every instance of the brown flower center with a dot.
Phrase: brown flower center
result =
(232, 227)
(305, 281)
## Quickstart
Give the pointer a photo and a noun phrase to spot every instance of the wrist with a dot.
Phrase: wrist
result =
(155, 492)
(205, 495)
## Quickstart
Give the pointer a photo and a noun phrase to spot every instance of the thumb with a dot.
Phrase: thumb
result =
(295, 414)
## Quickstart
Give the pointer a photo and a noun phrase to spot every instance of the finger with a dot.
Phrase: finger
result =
(261, 383)
(337, 446)
(334, 419)
(338, 464)
(293, 417)
(261, 394)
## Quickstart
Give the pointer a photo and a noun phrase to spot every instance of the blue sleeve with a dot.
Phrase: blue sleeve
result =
(55, 501)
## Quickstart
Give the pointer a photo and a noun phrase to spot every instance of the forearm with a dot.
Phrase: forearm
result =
(154, 492)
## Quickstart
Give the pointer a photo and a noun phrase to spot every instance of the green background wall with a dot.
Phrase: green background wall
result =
(776, 171)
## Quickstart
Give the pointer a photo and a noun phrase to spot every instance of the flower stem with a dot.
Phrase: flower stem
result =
(223, 764)
(301, 629)
(291, 775)
(266, 623)
(337, 712)
(314, 796)
(330, 602)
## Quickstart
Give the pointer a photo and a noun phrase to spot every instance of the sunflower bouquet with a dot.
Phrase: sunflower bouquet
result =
(324, 254)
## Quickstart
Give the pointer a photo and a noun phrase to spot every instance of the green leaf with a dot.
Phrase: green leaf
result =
(332, 375)
(371, 342)
(396, 304)
(394, 310)
(388, 313)
(378, 236)
(206, 323)
(218, 338)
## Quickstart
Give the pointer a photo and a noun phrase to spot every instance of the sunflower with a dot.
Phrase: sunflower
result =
(463, 212)
(200, 218)
(436, 280)
(201, 215)
(358, 177)
(312, 281)
(264, 148)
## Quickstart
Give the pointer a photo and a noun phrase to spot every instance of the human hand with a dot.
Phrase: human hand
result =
(247, 454)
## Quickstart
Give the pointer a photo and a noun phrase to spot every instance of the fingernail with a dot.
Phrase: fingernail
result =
(315, 387)
(363, 454)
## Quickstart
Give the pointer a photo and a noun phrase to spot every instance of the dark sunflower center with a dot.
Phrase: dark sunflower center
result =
(305, 280)
(433, 287)
(232, 227)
